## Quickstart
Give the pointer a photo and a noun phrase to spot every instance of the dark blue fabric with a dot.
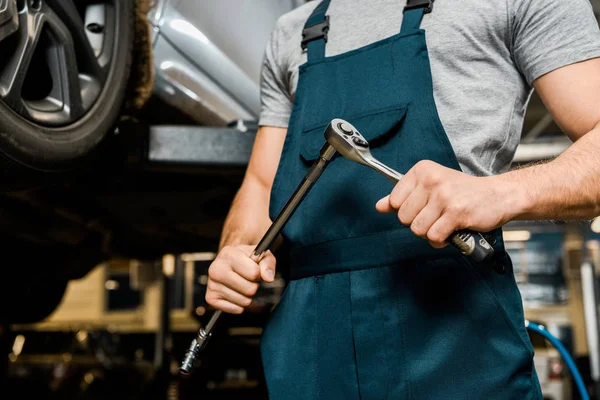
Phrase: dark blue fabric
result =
(412, 20)
(373, 311)
(385, 248)
(316, 48)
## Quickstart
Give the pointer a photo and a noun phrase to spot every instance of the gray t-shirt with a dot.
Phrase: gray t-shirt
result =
(484, 57)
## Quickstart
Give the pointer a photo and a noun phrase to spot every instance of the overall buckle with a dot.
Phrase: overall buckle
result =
(426, 4)
(315, 32)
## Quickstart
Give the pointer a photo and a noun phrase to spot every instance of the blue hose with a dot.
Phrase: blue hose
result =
(564, 354)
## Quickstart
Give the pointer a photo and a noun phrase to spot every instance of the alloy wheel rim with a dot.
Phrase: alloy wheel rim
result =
(58, 57)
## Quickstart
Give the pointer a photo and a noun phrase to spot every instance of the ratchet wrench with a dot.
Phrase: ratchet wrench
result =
(349, 143)
(201, 339)
(341, 137)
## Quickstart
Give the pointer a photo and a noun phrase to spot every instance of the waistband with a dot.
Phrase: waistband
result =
(372, 251)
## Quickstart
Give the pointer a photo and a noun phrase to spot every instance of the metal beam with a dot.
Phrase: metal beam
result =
(200, 146)
(530, 152)
(231, 147)
(537, 129)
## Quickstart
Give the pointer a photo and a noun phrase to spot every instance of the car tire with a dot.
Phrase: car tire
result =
(34, 278)
(32, 301)
(29, 139)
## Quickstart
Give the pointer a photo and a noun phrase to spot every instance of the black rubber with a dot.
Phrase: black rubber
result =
(33, 302)
(34, 277)
(27, 147)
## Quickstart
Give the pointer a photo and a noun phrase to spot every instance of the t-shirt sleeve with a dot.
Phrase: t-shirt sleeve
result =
(550, 34)
(276, 102)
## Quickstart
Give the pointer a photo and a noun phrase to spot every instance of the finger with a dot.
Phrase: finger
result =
(440, 231)
(412, 206)
(246, 249)
(384, 207)
(243, 265)
(425, 220)
(402, 190)
(225, 293)
(226, 306)
(239, 284)
(392, 202)
(267, 265)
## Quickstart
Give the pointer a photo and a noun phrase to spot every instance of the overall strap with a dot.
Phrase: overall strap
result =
(413, 14)
(314, 35)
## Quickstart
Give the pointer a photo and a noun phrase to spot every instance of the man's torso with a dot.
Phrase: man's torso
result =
(480, 93)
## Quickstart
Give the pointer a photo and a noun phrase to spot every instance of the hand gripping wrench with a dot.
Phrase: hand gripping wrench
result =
(348, 142)
(341, 137)
(326, 155)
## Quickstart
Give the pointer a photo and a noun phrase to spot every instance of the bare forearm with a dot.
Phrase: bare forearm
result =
(436, 201)
(248, 218)
(565, 188)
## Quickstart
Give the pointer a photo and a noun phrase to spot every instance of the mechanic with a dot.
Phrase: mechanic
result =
(378, 305)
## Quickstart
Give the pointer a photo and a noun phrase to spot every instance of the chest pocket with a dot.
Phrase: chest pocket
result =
(342, 203)
(376, 127)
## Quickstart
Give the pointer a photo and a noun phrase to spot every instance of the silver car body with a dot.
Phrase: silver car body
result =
(208, 53)
(203, 66)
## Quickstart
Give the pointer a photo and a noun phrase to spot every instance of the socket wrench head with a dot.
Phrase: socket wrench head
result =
(348, 142)
(346, 139)
(189, 359)
(197, 345)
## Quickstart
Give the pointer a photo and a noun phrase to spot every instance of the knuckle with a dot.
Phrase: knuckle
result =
(421, 165)
(430, 181)
(395, 199)
(212, 271)
(211, 285)
(216, 273)
(252, 289)
(435, 236)
(271, 257)
(246, 302)
(226, 251)
(443, 194)
(238, 269)
(456, 210)
(255, 273)
(403, 218)
(417, 229)
(209, 299)
(237, 311)
(464, 219)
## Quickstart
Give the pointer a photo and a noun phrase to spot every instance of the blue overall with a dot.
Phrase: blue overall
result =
(372, 311)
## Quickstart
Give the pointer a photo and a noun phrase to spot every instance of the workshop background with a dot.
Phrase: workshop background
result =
(106, 264)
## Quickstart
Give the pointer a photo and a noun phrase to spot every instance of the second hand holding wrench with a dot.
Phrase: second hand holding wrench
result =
(348, 142)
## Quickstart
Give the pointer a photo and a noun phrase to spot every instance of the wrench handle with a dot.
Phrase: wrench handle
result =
(204, 334)
(472, 244)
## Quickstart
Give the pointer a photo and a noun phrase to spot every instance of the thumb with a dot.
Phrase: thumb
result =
(267, 266)
(383, 206)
